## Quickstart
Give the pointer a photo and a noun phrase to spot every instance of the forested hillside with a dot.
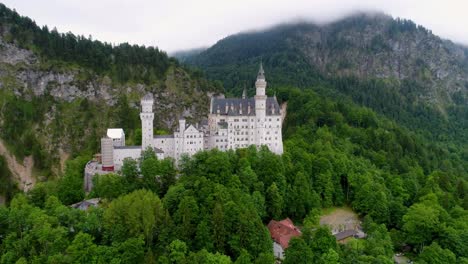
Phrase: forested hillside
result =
(59, 92)
(409, 191)
(391, 65)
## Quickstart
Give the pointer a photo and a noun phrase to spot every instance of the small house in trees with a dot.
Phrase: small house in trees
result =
(86, 204)
(281, 232)
(343, 236)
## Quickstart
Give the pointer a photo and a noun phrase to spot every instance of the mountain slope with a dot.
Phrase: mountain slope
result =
(59, 92)
(393, 66)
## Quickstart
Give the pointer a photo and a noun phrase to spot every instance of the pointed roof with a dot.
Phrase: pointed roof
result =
(261, 72)
(148, 97)
(244, 93)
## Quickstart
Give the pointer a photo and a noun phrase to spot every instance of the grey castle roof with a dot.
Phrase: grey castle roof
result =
(345, 234)
(148, 97)
(127, 147)
(240, 106)
(156, 150)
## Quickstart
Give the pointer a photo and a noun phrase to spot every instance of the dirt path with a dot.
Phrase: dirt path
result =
(22, 172)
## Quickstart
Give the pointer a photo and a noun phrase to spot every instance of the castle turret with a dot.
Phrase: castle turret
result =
(107, 154)
(147, 117)
(181, 125)
(260, 106)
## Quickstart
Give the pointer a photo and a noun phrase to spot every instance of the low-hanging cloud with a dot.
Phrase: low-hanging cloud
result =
(183, 24)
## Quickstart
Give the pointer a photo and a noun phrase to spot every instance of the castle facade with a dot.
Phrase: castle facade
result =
(232, 123)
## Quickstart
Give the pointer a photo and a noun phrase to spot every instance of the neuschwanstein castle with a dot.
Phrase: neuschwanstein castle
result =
(232, 123)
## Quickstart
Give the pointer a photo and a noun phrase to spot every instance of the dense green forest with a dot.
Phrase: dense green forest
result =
(214, 208)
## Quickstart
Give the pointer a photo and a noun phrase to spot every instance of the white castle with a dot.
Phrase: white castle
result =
(232, 123)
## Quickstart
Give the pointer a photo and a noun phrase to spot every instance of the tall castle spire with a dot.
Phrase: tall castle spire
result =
(260, 106)
(261, 83)
(261, 72)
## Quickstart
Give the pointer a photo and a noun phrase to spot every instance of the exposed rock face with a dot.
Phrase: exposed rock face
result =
(22, 171)
(12, 55)
(371, 50)
(177, 95)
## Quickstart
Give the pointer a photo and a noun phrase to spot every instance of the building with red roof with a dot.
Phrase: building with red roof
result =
(281, 232)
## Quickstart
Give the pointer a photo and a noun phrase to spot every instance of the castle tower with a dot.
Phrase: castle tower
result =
(147, 117)
(260, 106)
(107, 154)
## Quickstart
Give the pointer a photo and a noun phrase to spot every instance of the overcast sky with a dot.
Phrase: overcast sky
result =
(183, 24)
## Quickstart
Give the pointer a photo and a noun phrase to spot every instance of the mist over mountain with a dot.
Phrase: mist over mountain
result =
(394, 66)
(183, 55)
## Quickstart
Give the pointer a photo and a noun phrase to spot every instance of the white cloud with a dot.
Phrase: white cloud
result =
(182, 24)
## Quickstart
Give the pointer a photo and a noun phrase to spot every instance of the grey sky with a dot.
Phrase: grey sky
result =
(182, 24)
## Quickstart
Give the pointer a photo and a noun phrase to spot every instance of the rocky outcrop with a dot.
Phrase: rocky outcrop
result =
(372, 49)
(21, 170)
(11, 54)
(21, 72)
